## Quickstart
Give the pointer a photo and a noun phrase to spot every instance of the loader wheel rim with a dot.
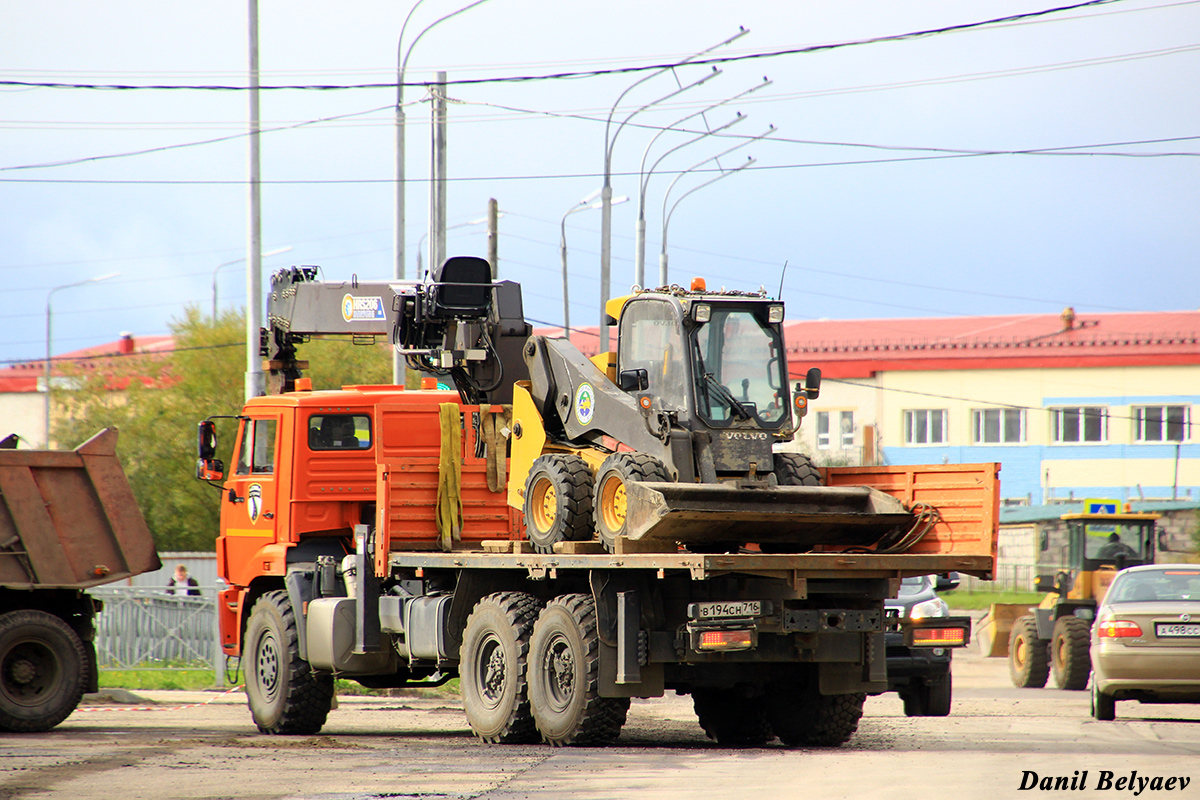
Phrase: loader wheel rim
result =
(613, 503)
(544, 505)
(1019, 655)
(559, 667)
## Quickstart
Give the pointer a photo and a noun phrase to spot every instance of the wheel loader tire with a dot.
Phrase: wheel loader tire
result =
(730, 719)
(492, 668)
(558, 501)
(44, 669)
(932, 698)
(1028, 656)
(564, 677)
(1070, 658)
(1104, 707)
(796, 469)
(609, 497)
(284, 695)
(801, 716)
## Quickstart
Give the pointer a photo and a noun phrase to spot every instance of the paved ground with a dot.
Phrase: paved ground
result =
(410, 748)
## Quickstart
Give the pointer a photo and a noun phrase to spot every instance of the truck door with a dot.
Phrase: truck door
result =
(249, 503)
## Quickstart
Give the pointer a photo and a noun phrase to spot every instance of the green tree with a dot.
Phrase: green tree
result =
(157, 400)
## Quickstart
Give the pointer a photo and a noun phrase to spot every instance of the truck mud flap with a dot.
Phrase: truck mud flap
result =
(800, 516)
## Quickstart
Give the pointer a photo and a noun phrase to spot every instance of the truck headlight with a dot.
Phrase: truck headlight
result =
(930, 608)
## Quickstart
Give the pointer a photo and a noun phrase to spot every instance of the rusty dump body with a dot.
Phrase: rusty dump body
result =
(68, 519)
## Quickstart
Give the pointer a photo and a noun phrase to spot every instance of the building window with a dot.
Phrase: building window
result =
(1080, 424)
(998, 425)
(822, 430)
(1161, 423)
(925, 426)
(847, 429)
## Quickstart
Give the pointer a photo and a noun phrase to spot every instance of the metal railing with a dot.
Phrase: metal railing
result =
(1009, 577)
(146, 628)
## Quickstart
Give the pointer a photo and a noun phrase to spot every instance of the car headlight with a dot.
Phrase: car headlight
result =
(930, 608)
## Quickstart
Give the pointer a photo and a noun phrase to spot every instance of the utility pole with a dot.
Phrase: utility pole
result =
(437, 176)
(493, 237)
(254, 375)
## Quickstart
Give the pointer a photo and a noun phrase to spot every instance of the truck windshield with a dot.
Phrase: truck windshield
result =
(739, 369)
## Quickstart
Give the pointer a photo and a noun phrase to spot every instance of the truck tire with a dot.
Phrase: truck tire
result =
(492, 668)
(285, 696)
(801, 715)
(1028, 656)
(558, 501)
(564, 676)
(1104, 707)
(796, 469)
(929, 699)
(609, 497)
(1070, 659)
(730, 719)
(43, 671)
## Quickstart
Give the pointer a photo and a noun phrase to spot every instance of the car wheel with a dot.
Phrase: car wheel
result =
(1104, 707)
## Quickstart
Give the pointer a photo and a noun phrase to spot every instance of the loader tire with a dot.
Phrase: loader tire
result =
(1028, 656)
(1070, 659)
(564, 676)
(558, 501)
(801, 716)
(285, 696)
(493, 665)
(43, 671)
(609, 497)
(730, 719)
(796, 469)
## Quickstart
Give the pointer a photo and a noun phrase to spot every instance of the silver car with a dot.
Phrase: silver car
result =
(1146, 638)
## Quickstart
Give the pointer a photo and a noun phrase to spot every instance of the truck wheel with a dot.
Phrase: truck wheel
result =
(564, 676)
(1104, 707)
(930, 699)
(43, 671)
(616, 471)
(492, 668)
(285, 697)
(801, 715)
(1070, 659)
(558, 501)
(730, 719)
(796, 469)
(1028, 657)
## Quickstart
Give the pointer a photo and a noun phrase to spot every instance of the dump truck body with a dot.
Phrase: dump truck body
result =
(68, 522)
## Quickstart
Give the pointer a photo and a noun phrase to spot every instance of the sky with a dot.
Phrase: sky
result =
(1008, 168)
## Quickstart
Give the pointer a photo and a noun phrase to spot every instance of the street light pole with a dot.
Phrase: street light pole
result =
(425, 235)
(401, 65)
(230, 264)
(583, 204)
(662, 256)
(49, 314)
(606, 190)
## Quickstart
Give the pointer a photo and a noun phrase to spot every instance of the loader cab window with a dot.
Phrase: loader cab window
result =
(256, 453)
(739, 369)
(651, 338)
(339, 432)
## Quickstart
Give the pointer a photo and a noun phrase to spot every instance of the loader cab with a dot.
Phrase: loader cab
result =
(1098, 546)
(715, 360)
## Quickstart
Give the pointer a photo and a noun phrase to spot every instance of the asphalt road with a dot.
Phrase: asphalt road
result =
(421, 748)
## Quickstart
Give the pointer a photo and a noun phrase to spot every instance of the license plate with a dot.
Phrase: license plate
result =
(1165, 630)
(740, 608)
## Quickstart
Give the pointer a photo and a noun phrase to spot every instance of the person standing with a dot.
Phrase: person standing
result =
(183, 583)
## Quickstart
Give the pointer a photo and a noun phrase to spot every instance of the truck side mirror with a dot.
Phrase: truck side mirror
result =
(633, 380)
(206, 439)
(210, 469)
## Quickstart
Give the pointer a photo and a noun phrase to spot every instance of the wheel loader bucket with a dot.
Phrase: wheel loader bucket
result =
(800, 516)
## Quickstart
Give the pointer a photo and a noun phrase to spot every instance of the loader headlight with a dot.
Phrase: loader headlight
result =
(930, 608)
(775, 314)
(702, 312)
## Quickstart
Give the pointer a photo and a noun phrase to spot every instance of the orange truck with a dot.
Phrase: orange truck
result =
(402, 538)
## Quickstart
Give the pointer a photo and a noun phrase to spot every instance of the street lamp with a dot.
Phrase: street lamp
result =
(644, 179)
(46, 379)
(582, 205)
(425, 235)
(606, 190)
(230, 264)
(401, 65)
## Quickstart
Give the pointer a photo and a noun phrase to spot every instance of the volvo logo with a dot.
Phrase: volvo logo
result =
(751, 435)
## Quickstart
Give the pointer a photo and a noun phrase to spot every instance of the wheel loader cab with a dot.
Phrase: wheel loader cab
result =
(1098, 546)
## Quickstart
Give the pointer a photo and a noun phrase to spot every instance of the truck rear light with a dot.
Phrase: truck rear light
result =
(1118, 629)
(726, 640)
(939, 637)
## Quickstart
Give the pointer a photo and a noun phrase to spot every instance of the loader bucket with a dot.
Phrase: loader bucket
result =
(800, 516)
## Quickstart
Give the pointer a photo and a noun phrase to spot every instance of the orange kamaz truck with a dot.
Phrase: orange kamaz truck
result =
(563, 534)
